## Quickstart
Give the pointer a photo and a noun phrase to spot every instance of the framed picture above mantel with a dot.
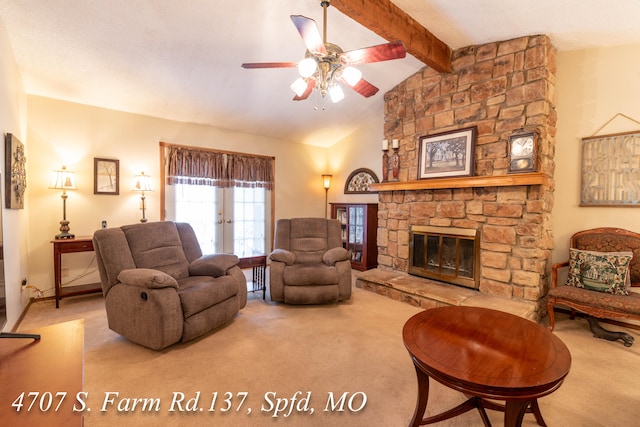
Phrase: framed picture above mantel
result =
(447, 154)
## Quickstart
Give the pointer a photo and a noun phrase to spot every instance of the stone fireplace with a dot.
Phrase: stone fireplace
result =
(500, 88)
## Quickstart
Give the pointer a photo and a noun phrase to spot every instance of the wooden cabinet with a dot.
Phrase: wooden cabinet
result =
(359, 232)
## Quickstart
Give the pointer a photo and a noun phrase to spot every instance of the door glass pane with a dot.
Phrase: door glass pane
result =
(433, 253)
(467, 250)
(196, 204)
(418, 250)
(449, 255)
(249, 228)
(359, 216)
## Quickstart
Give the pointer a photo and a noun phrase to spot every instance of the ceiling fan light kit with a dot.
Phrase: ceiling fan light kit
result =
(326, 64)
(299, 86)
(336, 94)
(351, 75)
(307, 67)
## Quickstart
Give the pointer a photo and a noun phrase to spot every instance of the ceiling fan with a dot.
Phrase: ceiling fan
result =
(325, 64)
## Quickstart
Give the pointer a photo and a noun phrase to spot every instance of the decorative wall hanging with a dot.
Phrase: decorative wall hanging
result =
(359, 180)
(447, 154)
(611, 170)
(106, 176)
(15, 172)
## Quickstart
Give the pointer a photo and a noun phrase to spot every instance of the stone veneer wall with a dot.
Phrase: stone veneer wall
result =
(498, 87)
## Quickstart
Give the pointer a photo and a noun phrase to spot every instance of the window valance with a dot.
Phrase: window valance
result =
(195, 166)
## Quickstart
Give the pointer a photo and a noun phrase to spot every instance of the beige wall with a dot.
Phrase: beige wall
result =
(593, 86)
(361, 149)
(63, 133)
(14, 222)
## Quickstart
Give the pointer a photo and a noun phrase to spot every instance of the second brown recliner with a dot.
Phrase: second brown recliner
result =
(308, 263)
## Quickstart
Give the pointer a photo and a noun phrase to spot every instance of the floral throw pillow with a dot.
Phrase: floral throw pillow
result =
(600, 271)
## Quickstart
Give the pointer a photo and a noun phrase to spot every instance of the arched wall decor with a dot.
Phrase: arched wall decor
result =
(359, 181)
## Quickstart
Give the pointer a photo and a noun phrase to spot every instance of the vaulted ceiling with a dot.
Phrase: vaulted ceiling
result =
(180, 60)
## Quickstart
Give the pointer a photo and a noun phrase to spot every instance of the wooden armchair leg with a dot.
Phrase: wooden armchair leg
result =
(552, 319)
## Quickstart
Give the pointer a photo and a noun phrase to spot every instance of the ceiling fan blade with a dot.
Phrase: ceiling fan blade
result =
(269, 65)
(363, 87)
(381, 52)
(311, 84)
(310, 35)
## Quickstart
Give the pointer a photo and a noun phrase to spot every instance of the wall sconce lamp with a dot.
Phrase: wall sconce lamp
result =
(63, 180)
(326, 182)
(142, 184)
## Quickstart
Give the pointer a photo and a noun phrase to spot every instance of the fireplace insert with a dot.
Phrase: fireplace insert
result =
(446, 254)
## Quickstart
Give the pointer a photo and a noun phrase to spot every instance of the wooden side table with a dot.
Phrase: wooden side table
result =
(67, 246)
(50, 367)
(259, 265)
(485, 354)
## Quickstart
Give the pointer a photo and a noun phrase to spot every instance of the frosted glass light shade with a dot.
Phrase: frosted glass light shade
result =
(299, 86)
(307, 67)
(351, 75)
(326, 181)
(336, 94)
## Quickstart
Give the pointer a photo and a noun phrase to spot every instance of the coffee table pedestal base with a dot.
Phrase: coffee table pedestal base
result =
(514, 410)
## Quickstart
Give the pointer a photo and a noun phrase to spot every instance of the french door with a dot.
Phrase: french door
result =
(225, 220)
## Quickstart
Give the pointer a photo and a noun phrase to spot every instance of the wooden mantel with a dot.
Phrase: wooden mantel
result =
(536, 178)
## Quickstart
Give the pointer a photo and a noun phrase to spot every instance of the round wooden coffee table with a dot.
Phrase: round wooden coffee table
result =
(485, 354)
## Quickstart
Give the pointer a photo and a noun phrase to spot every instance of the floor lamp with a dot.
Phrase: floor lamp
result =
(142, 184)
(326, 182)
(63, 180)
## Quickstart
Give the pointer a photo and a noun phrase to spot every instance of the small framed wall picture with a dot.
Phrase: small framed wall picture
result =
(523, 151)
(106, 176)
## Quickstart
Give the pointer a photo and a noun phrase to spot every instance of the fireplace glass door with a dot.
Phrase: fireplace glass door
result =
(445, 254)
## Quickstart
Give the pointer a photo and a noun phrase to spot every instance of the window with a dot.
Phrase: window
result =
(224, 196)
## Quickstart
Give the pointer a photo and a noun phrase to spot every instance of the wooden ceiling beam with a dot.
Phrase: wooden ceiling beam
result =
(392, 23)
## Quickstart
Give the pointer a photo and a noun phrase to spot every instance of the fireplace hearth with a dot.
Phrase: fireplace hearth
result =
(446, 254)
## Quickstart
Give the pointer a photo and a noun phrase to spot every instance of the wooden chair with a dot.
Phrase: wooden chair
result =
(598, 304)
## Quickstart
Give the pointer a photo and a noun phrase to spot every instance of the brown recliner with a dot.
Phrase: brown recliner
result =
(158, 287)
(308, 263)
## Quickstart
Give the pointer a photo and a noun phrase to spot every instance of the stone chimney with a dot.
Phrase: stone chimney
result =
(498, 87)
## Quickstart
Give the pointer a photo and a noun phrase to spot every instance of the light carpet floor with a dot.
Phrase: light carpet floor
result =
(272, 351)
